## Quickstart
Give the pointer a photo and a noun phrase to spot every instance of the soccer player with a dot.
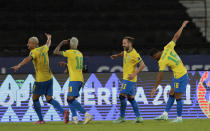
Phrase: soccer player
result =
(44, 78)
(130, 60)
(75, 66)
(168, 57)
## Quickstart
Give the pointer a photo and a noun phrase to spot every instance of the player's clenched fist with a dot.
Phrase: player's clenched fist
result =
(48, 35)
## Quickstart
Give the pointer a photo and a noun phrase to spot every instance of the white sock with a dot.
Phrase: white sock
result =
(87, 114)
(75, 118)
(179, 117)
(165, 113)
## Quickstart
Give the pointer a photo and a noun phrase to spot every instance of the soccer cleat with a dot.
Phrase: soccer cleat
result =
(119, 120)
(177, 120)
(66, 116)
(75, 120)
(40, 122)
(161, 117)
(138, 120)
(88, 118)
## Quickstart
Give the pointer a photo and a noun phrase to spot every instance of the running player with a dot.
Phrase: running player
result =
(168, 57)
(130, 60)
(75, 66)
(44, 79)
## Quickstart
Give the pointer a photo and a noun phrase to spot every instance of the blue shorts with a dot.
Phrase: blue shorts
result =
(128, 88)
(43, 88)
(74, 88)
(180, 84)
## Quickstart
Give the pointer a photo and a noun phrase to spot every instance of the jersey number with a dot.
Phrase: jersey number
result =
(123, 86)
(70, 89)
(44, 55)
(174, 58)
(176, 85)
(79, 63)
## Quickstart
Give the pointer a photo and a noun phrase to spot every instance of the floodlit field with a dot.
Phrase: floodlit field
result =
(148, 125)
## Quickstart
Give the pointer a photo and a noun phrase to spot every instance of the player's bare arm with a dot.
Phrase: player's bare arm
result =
(57, 49)
(159, 78)
(23, 62)
(140, 68)
(48, 43)
(179, 32)
(117, 55)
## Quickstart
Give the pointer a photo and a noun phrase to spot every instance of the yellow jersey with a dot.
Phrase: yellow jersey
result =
(41, 63)
(75, 64)
(130, 61)
(170, 58)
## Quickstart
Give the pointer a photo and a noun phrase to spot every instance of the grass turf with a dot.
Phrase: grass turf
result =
(147, 125)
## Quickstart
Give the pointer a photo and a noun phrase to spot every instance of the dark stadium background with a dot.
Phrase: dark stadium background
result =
(100, 26)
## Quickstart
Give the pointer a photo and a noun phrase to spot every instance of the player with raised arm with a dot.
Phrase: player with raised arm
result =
(168, 57)
(43, 84)
(75, 66)
(130, 60)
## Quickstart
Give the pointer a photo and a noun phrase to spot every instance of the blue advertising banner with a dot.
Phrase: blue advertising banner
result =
(105, 64)
(100, 96)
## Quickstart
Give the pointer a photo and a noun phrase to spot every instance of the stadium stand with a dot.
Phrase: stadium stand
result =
(98, 28)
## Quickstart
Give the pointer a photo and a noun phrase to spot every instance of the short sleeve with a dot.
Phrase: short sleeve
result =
(137, 58)
(46, 48)
(170, 45)
(33, 54)
(162, 65)
(66, 53)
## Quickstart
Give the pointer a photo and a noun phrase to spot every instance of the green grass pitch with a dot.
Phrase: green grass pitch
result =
(147, 125)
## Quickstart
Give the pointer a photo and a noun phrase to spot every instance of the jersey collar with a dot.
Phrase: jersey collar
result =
(130, 51)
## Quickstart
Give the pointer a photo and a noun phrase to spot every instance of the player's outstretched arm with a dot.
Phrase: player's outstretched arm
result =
(48, 43)
(159, 78)
(23, 62)
(57, 49)
(179, 32)
(117, 55)
(140, 68)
